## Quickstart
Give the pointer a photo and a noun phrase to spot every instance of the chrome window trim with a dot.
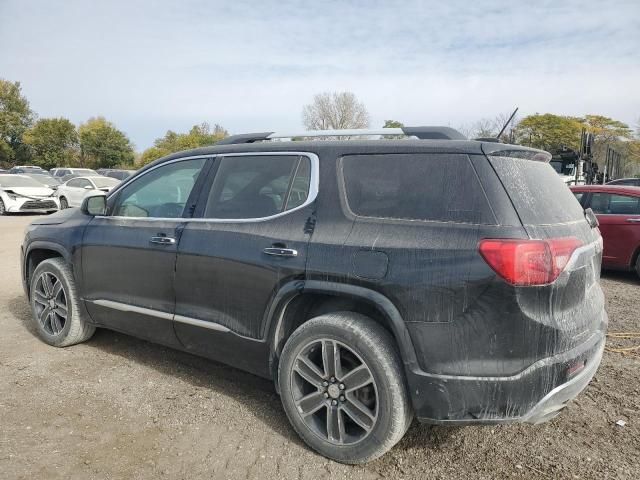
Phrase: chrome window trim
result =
(314, 187)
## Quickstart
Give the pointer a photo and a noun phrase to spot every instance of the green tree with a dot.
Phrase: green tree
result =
(392, 124)
(102, 145)
(606, 129)
(53, 142)
(549, 132)
(199, 136)
(15, 118)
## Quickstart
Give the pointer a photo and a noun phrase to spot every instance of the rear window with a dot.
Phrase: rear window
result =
(432, 187)
(105, 182)
(537, 191)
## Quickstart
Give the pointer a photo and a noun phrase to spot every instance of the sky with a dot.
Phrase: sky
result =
(150, 66)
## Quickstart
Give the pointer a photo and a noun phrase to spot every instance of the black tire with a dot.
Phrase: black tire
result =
(364, 341)
(638, 265)
(63, 203)
(52, 327)
(3, 210)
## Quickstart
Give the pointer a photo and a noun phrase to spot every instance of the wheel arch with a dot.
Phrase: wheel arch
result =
(36, 253)
(297, 302)
(634, 258)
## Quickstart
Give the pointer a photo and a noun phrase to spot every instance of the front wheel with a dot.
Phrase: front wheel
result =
(3, 209)
(343, 387)
(55, 305)
(63, 203)
(638, 265)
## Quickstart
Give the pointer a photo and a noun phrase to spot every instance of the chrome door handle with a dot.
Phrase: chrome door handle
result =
(163, 240)
(633, 220)
(281, 252)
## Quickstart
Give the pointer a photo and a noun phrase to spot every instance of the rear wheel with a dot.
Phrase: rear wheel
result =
(638, 265)
(343, 387)
(63, 203)
(54, 304)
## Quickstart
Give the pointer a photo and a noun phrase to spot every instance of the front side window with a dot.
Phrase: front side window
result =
(612, 204)
(161, 193)
(431, 187)
(258, 186)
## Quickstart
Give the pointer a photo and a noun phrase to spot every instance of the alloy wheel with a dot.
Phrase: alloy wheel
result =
(334, 392)
(50, 303)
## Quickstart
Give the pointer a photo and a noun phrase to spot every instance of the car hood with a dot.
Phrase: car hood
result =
(36, 192)
(58, 217)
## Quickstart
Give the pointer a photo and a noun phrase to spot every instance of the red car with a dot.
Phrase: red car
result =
(618, 210)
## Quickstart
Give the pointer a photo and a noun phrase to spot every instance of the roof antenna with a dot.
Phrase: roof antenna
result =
(506, 124)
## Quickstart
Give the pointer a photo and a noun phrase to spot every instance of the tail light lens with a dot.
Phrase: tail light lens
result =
(528, 262)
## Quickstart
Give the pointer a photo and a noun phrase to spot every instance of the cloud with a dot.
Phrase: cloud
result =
(150, 66)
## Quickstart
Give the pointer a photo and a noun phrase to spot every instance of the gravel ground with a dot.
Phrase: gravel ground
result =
(118, 407)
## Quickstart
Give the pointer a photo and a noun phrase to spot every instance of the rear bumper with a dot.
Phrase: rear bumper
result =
(534, 395)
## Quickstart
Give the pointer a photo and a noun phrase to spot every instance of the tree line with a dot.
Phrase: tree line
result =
(97, 143)
(55, 142)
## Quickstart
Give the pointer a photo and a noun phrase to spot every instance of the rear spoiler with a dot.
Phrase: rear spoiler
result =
(504, 150)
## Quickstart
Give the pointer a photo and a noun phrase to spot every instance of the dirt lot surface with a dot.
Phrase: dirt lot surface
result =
(118, 407)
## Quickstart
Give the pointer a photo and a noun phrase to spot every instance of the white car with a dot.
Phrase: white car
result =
(72, 193)
(19, 193)
(63, 172)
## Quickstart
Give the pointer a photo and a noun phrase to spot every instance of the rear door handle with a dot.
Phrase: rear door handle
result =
(633, 220)
(163, 240)
(280, 252)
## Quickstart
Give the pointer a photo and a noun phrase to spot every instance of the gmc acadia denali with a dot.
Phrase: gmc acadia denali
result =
(374, 280)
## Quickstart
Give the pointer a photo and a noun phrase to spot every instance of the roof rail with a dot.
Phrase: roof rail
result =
(423, 133)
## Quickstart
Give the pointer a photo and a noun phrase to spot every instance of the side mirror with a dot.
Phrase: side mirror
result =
(88, 187)
(94, 205)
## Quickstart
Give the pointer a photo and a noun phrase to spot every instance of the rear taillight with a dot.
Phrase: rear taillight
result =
(528, 262)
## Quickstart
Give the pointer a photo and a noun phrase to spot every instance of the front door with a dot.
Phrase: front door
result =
(619, 217)
(249, 240)
(128, 256)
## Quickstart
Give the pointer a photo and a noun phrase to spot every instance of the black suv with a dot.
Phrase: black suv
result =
(373, 280)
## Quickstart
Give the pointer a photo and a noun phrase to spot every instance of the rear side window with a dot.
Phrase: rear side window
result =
(431, 187)
(259, 186)
(537, 191)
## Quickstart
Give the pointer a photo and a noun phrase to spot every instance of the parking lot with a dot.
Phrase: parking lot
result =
(118, 407)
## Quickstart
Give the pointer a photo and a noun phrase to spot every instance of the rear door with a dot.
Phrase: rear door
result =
(619, 217)
(250, 240)
(129, 255)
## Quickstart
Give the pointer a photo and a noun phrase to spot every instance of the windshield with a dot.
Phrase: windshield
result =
(9, 181)
(45, 179)
(105, 182)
